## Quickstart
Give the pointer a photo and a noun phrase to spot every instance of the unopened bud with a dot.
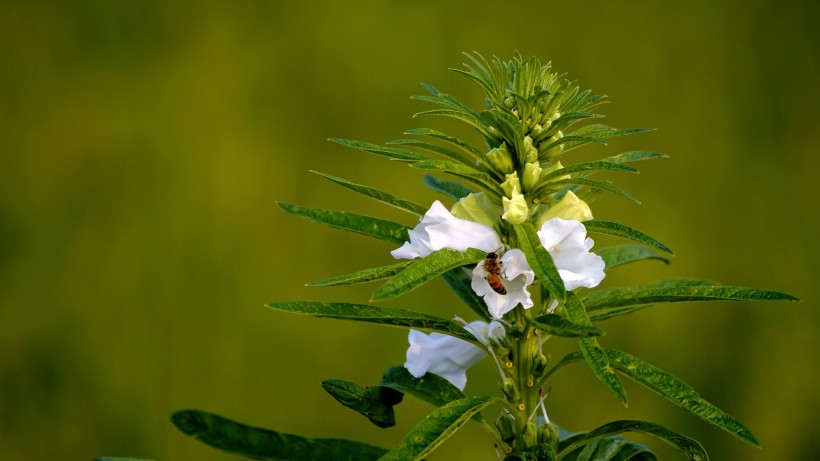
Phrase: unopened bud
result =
(501, 158)
(548, 149)
(530, 434)
(515, 209)
(570, 207)
(477, 207)
(539, 364)
(510, 390)
(506, 427)
(548, 433)
(532, 173)
(530, 152)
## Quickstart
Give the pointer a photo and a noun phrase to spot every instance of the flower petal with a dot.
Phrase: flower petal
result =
(567, 243)
(516, 276)
(444, 355)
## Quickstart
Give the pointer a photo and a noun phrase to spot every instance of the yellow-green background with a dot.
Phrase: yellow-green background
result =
(143, 145)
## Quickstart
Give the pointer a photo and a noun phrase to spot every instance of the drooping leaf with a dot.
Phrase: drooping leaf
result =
(593, 354)
(620, 230)
(540, 260)
(559, 326)
(618, 255)
(678, 392)
(430, 388)
(634, 156)
(389, 152)
(442, 150)
(422, 270)
(456, 190)
(362, 276)
(382, 229)
(439, 425)
(265, 444)
(611, 449)
(460, 282)
(376, 314)
(376, 194)
(690, 447)
(375, 403)
(634, 297)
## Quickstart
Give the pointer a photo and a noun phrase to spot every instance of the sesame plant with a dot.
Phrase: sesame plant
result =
(510, 238)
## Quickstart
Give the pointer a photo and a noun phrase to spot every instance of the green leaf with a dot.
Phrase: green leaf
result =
(634, 156)
(375, 403)
(376, 314)
(460, 283)
(559, 326)
(469, 149)
(633, 297)
(678, 392)
(470, 174)
(585, 167)
(456, 190)
(422, 270)
(445, 151)
(619, 230)
(612, 449)
(363, 276)
(594, 355)
(439, 425)
(690, 447)
(389, 152)
(264, 444)
(540, 260)
(430, 388)
(382, 229)
(595, 184)
(376, 194)
(619, 255)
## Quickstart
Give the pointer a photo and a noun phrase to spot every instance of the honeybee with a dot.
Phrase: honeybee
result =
(493, 267)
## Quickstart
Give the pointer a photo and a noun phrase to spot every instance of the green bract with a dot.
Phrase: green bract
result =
(512, 183)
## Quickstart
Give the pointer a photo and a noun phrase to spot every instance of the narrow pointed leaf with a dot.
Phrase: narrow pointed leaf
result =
(439, 425)
(389, 152)
(617, 292)
(445, 151)
(265, 444)
(422, 270)
(585, 167)
(456, 190)
(632, 297)
(376, 194)
(460, 282)
(430, 388)
(559, 326)
(381, 229)
(612, 449)
(470, 174)
(678, 392)
(375, 403)
(376, 314)
(363, 276)
(634, 156)
(690, 447)
(619, 255)
(595, 184)
(540, 260)
(594, 355)
(467, 148)
(620, 230)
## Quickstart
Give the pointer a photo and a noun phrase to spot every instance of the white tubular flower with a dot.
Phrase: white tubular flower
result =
(439, 229)
(567, 243)
(516, 275)
(447, 356)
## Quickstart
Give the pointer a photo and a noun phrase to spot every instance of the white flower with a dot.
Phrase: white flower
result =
(439, 229)
(516, 276)
(447, 356)
(567, 243)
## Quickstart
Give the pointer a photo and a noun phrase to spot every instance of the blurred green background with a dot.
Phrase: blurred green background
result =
(143, 145)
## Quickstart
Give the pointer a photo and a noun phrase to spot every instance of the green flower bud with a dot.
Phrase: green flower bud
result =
(477, 207)
(529, 150)
(570, 207)
(530, 434)
(539, 364)
(548, 433)
(506, 427)
(531, 175)
(501, 158)
(515, 209)
(511, 185)
(510, 390)
(545, 152)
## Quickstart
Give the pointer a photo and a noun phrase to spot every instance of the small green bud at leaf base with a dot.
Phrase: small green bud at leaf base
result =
(503, 354)
(511, 185)
(548, 433)
(545, 152)
(539, 364)
(531, 175)
(530, 434)
(570, 207)
(506, 427)
(515, 209)
(501, 159)
(510, 390)
(529, 150)
(477, 207)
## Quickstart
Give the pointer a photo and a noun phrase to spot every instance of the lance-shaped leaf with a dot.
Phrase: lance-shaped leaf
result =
(389, 152)
(594, 355)
(619, 255)
(540, 260)
(612, 449)
(634, 156)
(678, 392)
(620, 230)
(595, 184)
(559, 326)
(456, 190)
(467, 148)
(362, 276)
(587, 167)
(265, 444)
(422, 270)
(375, 403)
(376, 314)
(460, 282)
(376, 194)
(382, 229)
(690, 447)
(430, 388)
(634, 297)
(465, 172)
(610, 293)
(439, 425)
(442, 150)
